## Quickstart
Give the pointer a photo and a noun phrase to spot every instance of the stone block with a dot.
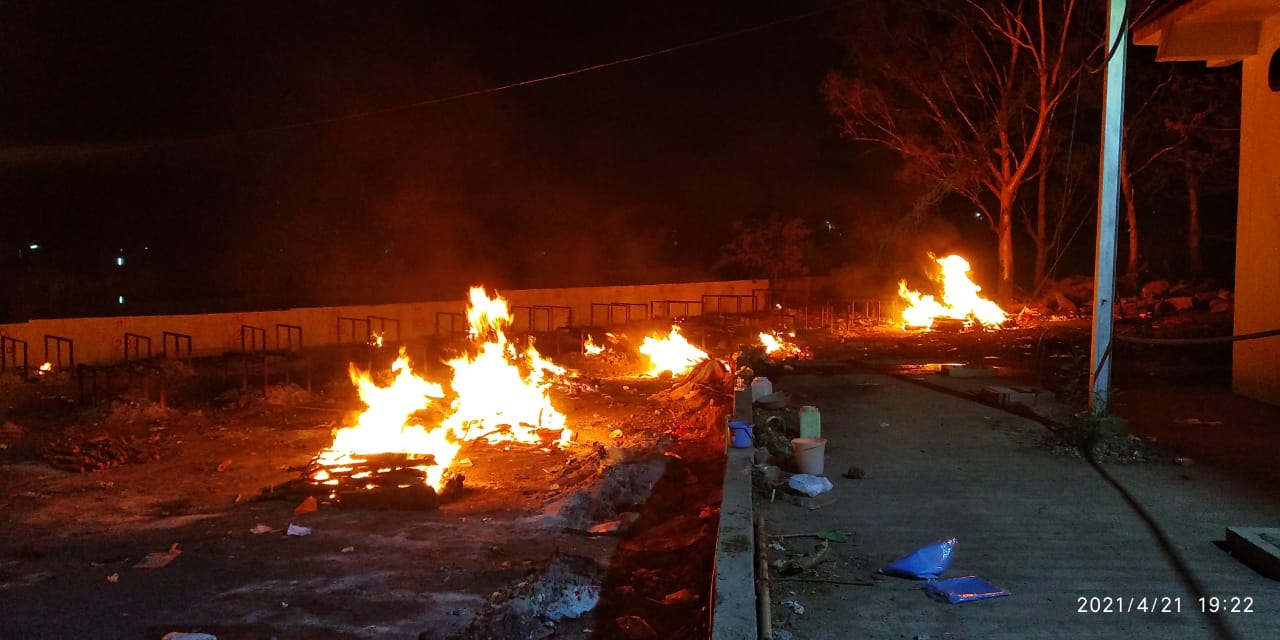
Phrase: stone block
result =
(968, 371)
(1257, 547)
(1009, 396)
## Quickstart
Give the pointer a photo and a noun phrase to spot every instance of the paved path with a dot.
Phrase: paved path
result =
(1048, 528)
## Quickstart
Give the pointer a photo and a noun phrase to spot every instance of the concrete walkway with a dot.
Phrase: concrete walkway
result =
(1048, 528)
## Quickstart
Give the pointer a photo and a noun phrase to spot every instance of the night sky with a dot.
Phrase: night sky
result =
(140, 128)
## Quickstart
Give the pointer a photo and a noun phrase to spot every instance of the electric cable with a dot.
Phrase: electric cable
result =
(408, 106)
(1165, 546)
(1180, 567)
(1212, 340)
(1126, 26)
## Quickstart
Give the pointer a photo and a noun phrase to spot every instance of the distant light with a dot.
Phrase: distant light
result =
(830, 226)
(119, 261)
(34, 246)
(977, 214)
(119, 299)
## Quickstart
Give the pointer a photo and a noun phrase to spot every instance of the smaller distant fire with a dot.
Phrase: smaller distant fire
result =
(375, 339)
(45, 368)
(778, 347)
(671, 353)
(960, 299)
(592, 349)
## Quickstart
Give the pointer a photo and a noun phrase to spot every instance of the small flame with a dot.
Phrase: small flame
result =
(45, 368)
(778, 346)
(671, 353)
(375, 339)
(960, 299)
(771, 343)
(592, 349)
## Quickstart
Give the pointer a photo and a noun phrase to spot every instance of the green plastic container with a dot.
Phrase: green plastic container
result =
(810, 422)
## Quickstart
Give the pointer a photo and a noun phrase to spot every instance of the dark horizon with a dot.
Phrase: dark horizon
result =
(125, 134)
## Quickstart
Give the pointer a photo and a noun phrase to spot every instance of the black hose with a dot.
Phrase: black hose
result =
(1212, 340)
(1188, 579)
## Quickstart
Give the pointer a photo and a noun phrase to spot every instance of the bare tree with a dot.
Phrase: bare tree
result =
(1184, 129)
(1144, 144)
(1204, 118)
(964, 90)
(1065, 165)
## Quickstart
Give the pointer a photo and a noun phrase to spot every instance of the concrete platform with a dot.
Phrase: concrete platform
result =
(1257, 547)
(1049, 528)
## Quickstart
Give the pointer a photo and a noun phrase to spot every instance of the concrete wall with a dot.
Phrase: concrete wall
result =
(1256, 363)
(101, 340)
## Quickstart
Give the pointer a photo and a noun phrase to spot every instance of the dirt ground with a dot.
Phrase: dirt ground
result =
(218, 490)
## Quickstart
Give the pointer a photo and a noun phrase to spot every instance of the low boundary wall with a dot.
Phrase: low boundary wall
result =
(102, 340)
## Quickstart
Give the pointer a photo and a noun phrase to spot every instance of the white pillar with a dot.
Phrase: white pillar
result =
(1108, 208)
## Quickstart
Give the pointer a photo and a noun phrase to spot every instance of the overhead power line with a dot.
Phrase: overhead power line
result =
(37, 153)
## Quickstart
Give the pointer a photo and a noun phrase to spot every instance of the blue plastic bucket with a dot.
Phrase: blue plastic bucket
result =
(741, 434)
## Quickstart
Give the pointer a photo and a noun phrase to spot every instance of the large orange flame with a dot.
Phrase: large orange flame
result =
(499, 394)
(671, 353)
(960, 299)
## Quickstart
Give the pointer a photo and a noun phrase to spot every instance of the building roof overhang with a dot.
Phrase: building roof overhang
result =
(1218, 32)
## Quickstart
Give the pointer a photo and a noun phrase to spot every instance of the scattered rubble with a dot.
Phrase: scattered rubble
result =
(82, 453)
(567, 588)
(606, 490)
(1073, 296)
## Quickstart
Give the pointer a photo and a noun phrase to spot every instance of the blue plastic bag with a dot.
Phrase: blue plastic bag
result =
(964, 589)
(925, 562)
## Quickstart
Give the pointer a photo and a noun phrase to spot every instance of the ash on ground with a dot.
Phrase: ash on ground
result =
(568, 588)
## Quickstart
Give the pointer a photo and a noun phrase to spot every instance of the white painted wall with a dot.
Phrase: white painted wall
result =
(101, 340)
(1256, 363)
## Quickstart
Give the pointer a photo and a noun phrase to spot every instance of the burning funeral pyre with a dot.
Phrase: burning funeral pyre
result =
(498, 393)
(671, 352)
(778, 346)
(960, 299)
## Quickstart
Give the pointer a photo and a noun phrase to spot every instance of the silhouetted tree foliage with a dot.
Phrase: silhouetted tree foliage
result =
(774, 248)
(1203, 116)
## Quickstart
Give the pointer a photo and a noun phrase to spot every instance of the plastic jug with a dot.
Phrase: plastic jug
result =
(810, 422)
(760, 387)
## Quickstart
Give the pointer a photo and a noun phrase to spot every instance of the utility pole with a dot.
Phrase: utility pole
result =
(1104, 289)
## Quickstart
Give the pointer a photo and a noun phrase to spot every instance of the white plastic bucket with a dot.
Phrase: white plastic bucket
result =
(809, 454)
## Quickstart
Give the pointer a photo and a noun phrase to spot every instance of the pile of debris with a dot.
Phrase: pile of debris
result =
(568, 588)
(84, 453)
(1073, 296)
(709, 379)
(1159, 298)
